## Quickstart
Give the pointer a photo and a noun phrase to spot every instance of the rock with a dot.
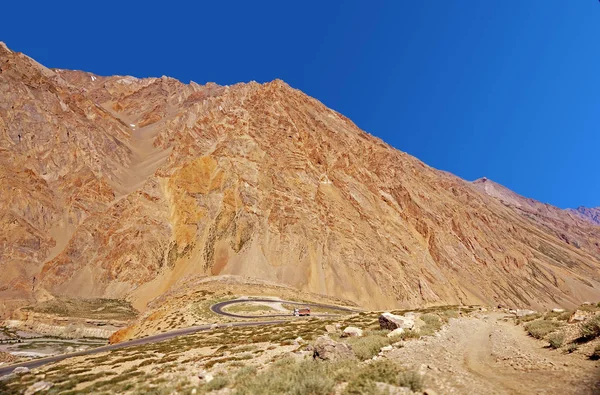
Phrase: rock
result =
(579, 316)
(297, 341)
(387, 348)
(429, 391)
(309, 347)
(330, 329)
(396, 332)
(205, 376)
(524, 313)
(338, 325)
(70, 349)
(483, 309)
(37, 387)
(329, 350)
(21, 370)
(391, 321)
(557, 310)
(352, 331)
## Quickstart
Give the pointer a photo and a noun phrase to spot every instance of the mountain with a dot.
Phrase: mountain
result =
(589, 214)
(119, 187)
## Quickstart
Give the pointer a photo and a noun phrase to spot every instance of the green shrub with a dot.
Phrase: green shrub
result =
(383, 371)
(556, 340)
(407, 335)
(412, 380)
(590, 329)
(539, 329)
(433, 323)
(217, 383)
(289, 377)
(564, 316)
(366, 347)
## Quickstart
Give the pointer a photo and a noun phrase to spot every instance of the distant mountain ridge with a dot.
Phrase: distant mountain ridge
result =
(590, 214)
(121, 187)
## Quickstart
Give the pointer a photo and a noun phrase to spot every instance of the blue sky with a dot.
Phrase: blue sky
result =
(509, 90)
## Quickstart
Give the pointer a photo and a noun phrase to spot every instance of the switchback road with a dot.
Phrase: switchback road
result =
(216, 308)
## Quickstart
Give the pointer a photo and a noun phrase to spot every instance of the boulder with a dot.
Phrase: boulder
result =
(37, 387)
(391, 321)
(396, 332)
(386, 348)
(331, 329)
(329, 350)
(70, 349)
(205, 376)
(557, 310)
(352, 331)
(579, 316)
(21, 370)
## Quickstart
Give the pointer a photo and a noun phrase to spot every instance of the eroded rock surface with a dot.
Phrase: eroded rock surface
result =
(119, 187)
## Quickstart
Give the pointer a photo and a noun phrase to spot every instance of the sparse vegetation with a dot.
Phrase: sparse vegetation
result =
(590, 329)
(369, 345)
(433, 323)
(217, 383)
(556, 340)
(529, 318)
(289, 377)
(540, 328)
(383, 371)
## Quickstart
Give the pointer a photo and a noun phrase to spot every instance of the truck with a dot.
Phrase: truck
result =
(303, 311)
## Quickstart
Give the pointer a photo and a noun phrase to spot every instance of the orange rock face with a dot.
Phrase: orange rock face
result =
(120, 187)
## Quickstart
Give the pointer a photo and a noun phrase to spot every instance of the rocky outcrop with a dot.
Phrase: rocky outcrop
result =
(392, 322)
(352, 331)
(327, 349)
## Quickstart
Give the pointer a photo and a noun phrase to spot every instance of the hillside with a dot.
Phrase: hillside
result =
(120, 187)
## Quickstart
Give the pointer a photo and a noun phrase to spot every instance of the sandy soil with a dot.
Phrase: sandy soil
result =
(489, 355)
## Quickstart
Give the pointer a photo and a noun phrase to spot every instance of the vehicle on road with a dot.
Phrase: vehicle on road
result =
(304, 311)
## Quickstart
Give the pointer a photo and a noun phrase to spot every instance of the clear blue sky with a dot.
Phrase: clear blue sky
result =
(504, 89)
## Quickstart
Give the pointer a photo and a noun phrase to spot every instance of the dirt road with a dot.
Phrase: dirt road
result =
(488, 355)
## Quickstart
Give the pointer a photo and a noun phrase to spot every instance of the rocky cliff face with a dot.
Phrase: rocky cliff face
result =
(120, 187)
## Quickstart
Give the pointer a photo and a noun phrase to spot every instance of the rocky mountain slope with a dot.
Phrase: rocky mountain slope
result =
(590, 214)
(122, 187)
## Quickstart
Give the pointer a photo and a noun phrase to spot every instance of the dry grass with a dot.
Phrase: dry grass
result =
(556, 340)
(369, 345)
(590, 329)
(540, 328)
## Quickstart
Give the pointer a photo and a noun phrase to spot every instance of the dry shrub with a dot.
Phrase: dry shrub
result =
(539, 329)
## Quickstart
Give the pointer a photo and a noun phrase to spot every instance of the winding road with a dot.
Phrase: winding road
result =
(216, 308)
